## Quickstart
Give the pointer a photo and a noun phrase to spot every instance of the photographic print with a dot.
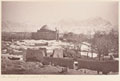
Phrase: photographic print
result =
(59, 38)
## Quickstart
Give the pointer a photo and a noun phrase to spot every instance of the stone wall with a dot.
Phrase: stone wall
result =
(44, 35)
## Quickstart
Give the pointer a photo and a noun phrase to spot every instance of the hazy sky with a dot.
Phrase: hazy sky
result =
(50, 12)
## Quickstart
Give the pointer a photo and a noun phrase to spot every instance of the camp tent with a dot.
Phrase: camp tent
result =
(58, 53)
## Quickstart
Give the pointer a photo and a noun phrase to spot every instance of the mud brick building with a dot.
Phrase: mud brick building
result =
(34, 55)
(45, 33)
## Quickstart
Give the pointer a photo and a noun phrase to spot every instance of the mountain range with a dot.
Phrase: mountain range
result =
(69, 25)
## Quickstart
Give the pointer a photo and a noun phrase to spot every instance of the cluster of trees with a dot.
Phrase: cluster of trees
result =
(9, 36)
(105, 43)
(101, 42)
(75, 38)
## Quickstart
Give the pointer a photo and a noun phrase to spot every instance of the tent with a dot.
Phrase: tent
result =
(58, 53)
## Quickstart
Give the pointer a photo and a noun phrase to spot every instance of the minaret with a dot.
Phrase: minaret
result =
(57, 34)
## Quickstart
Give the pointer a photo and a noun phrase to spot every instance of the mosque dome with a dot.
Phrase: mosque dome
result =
(46, 27)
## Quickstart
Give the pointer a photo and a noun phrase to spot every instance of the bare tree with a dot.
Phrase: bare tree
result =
(105, 43)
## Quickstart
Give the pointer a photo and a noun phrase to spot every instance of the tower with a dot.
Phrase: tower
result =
(57, 34)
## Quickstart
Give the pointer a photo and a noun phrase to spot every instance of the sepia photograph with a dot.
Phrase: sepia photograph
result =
(59, 38)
